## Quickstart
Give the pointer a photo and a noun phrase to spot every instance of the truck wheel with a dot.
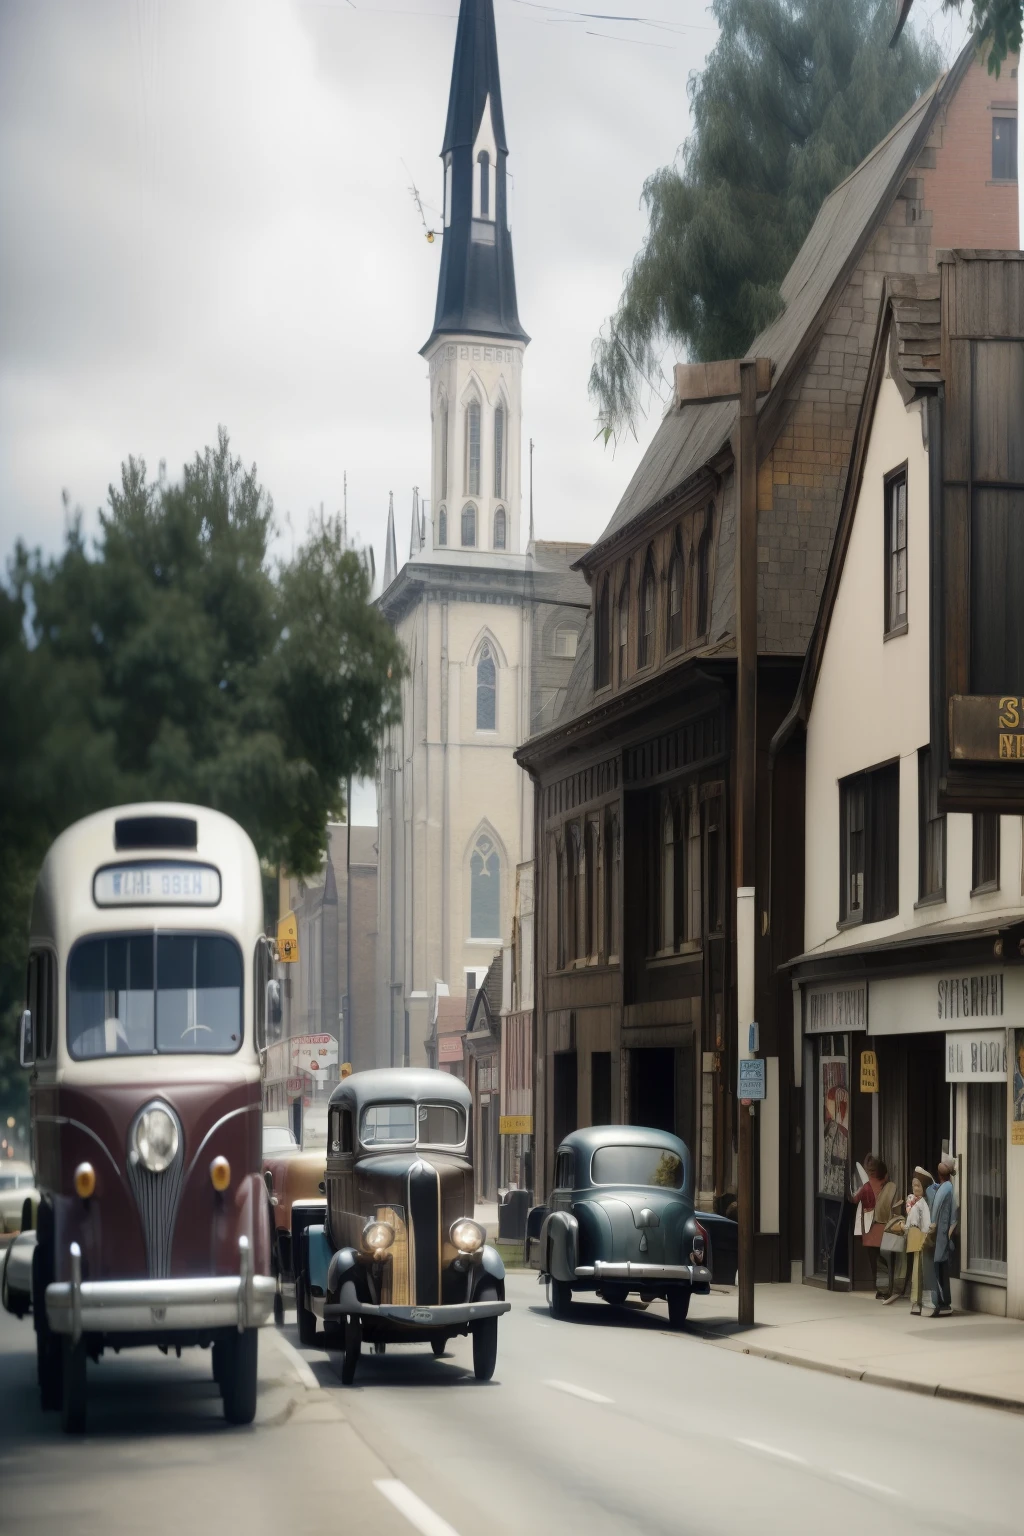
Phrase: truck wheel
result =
(559, 1298)
(238, 1386)
(678, 1306)
(353, 1349)
(72, 1404)
(305, 1316)
(485, 1338)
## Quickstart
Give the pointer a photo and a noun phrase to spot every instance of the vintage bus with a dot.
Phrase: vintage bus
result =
(144, 1033)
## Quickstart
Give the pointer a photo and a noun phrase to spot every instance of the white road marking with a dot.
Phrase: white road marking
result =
(584, 1392)
(413, 1508)
(301, 1367)
(775, 1451)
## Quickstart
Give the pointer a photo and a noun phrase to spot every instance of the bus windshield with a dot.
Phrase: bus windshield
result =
(137, 994)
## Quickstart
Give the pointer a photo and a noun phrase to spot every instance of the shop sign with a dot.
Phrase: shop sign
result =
(751, 1079)
(970, 997)
(868, 1072)
(1017, 1124)
(294, 1087)
(986, 728)
(976, 1056)
(515, 1125)
(449, 1048)
(834, 1010)
(313, 1053)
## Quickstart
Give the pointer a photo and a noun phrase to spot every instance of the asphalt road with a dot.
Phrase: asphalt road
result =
(606, 1423)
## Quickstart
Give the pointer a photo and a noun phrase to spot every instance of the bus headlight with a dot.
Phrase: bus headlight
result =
(378, 1237)
(156, 1138)
(468, 1236)
(85, 1180)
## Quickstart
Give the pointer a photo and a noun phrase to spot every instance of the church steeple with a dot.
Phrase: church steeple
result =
(476, 291)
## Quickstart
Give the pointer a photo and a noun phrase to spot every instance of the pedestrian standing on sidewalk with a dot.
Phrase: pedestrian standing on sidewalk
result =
(916, 1224)
(942, 1201)
(874, 1207)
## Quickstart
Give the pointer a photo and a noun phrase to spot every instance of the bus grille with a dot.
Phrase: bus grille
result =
(157, 1196)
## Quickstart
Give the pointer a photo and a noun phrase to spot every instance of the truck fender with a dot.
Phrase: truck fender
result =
(490, 1268)
(344, 1267)
(560, 1245)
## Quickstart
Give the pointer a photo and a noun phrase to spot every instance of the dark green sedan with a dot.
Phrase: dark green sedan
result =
(621, 1221)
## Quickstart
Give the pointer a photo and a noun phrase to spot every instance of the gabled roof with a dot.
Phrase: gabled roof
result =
(691, 434)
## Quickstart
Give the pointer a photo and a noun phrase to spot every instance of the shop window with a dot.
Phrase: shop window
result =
(869, 847)
(602, 637)
(896, 553)
(1004, 149)
(931, 831)
(623, 625)
(986, 1178)
(984, 852)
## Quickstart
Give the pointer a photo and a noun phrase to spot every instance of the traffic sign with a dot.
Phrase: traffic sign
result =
(752, 1079)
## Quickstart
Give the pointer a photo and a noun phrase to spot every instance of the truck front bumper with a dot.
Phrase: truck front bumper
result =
(418, 1317)
(652, 1274)
(241, 1301)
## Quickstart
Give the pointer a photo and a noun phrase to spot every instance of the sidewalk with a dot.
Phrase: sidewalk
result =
(970, 1356)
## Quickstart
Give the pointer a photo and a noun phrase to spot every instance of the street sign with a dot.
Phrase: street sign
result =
(752, 1079)
(313, 1053)
(868, 1072)
(294, 1087)
(515, 1125)
(288, 938)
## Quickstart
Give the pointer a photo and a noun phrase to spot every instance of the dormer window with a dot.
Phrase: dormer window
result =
(483, 161)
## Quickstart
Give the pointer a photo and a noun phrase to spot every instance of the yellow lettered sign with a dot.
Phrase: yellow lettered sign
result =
(515, 1125)
(288, 938)
(868, 1072)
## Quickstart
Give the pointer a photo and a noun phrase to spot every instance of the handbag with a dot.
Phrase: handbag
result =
(915, 1240)
(894, 1242)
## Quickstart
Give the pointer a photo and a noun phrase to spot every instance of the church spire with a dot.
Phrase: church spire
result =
(416, 531)
(390, 550)
(476, 292)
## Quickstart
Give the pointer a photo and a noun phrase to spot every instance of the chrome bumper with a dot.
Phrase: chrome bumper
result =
(694, 1274)
(420, 1317)
(241, 1301)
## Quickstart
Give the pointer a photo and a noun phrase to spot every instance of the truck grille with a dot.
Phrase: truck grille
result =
(425, 1229)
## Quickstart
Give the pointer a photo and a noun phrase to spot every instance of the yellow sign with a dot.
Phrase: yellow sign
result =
(288, 938)
(868, 1072)
(345, 1070)
(1017, 1137)
(515, 1125)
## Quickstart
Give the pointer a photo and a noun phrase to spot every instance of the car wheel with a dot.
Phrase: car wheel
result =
(678, 1306)
(238, 1388)
(485, 1338)
(353, 1349)
(305, 1316)
(440, 1347)
(73, 1387)
(559, 1298)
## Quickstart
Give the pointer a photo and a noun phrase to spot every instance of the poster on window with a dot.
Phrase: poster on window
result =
(1017, 1126)
(834, 1098)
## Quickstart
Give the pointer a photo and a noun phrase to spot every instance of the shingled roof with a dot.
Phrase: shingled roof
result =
(915, 334)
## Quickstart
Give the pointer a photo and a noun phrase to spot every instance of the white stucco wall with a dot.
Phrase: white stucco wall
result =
(871, 705)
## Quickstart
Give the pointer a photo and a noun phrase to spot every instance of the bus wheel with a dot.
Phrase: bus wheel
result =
(485, 1338)
(72, 1407)
(238, 1387)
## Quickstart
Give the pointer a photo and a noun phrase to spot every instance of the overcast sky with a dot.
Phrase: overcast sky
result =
(205, 218)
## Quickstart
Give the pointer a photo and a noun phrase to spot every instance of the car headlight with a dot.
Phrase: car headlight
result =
(156, 1138)
(468, 1235)
(378, 1236)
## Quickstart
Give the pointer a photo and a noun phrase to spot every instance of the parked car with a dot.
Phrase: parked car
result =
(16, 1181)
(393, 1256)
(621, 1222)
(291, 1172)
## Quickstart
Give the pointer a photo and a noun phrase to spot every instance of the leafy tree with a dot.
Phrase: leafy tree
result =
(176, 660)
(996, 26)
(793, 96)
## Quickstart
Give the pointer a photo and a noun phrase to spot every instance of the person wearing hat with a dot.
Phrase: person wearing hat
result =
(916, 1224)
(942, 1202)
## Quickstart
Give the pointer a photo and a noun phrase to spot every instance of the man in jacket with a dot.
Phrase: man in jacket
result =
(942, 1201)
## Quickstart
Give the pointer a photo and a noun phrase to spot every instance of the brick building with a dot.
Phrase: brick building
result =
(635, 894)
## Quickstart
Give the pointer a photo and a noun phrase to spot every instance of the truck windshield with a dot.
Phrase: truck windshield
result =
(656, 1167)
(136, 994)
(434, 1125)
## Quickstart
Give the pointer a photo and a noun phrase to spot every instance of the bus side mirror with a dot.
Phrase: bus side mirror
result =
(28, 1044)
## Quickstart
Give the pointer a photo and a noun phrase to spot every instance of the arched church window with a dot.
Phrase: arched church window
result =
(486, 690)
(675, 596)
(473, 449)
(442, 527)
(602, 638)
(483, 160)
(499, 528)
(645, 631)
(443, 446)
(484, 890)
(623, 625)
(469, 525)
(499, 451)
(703, 615)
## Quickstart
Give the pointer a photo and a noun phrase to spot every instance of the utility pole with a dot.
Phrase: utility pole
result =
(741, 379)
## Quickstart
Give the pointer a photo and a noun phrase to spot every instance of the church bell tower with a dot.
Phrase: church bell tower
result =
(475, 351)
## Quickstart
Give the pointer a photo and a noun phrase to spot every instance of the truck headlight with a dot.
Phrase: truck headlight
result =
(378, 1237)
(156, 1138)
(468, 1236)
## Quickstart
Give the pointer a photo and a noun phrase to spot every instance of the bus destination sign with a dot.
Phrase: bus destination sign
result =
(986, 728)
(156, 883)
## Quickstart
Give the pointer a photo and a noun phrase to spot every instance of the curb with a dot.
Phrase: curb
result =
(872, 1378)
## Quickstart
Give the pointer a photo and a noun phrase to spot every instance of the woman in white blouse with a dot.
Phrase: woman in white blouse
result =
(916, 1224)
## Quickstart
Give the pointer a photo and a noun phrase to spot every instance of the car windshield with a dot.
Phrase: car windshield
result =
(15, 1180)
(142, 993)
(277, 1138)
(434, 1125)
(655, 1167)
